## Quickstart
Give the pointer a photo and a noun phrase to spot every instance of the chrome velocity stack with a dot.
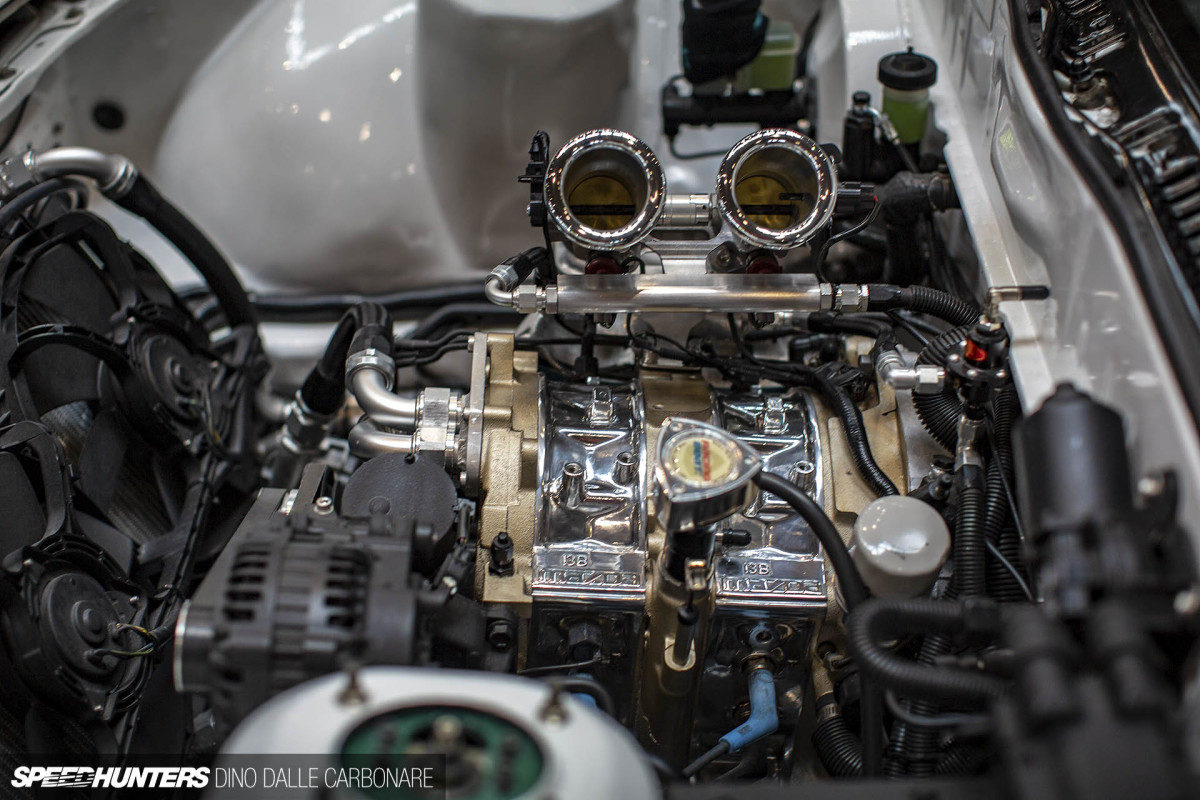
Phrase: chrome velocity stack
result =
(776, 189)
(604, 190)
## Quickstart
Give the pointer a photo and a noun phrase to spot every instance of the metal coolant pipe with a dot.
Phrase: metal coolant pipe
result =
(370, 389)
(367, 441)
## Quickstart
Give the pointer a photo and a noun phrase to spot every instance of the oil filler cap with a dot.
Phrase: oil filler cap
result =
(704, 474)
(899, 546)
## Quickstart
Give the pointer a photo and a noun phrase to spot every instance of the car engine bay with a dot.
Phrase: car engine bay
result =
(820, 459)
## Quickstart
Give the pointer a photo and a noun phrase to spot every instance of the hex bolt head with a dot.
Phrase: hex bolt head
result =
(501, 551)
(501, 634)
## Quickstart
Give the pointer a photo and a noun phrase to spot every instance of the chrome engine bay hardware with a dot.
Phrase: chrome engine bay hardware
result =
(703, 475)
(776, 189)
(785, 456)
(605, 190)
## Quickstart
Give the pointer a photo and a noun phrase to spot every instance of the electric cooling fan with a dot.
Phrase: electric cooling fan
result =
(123, 424)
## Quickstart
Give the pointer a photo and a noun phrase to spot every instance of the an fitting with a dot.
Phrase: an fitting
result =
(970, 440)
(919, 378)
(370, 376)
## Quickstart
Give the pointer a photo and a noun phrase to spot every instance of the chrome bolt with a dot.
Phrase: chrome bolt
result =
(626, 469)
(803, 474)
(570, 490)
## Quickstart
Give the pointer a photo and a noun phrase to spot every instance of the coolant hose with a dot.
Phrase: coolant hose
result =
(373, 391)
(367, 441)
(120, 181)
(145, 201)
(904, 200)
(854, 591)
(365, 326)
(836, 746)
(502, 282)
(883, 619)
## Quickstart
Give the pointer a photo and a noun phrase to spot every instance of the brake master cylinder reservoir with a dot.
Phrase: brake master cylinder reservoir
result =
(906, 78)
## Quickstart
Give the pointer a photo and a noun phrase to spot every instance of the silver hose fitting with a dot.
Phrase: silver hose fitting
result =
(604, 190)
(114, 174)
(370, 376)
(776, 188)
(970, 440)
(919, 378)
(526, 298)
(298, 442)
(426, 424)
(375, 399)
(495, 291)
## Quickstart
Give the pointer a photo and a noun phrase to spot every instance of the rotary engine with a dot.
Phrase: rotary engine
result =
(683, 313)
(707, 485)
(697, 485)
(574, 543)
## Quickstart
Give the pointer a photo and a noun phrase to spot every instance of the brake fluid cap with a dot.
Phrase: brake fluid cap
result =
(704, 474)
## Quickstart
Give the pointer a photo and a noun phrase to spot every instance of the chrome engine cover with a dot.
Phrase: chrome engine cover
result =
(596, 535)
(591, 543)
(590, 540)
(782, 567)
